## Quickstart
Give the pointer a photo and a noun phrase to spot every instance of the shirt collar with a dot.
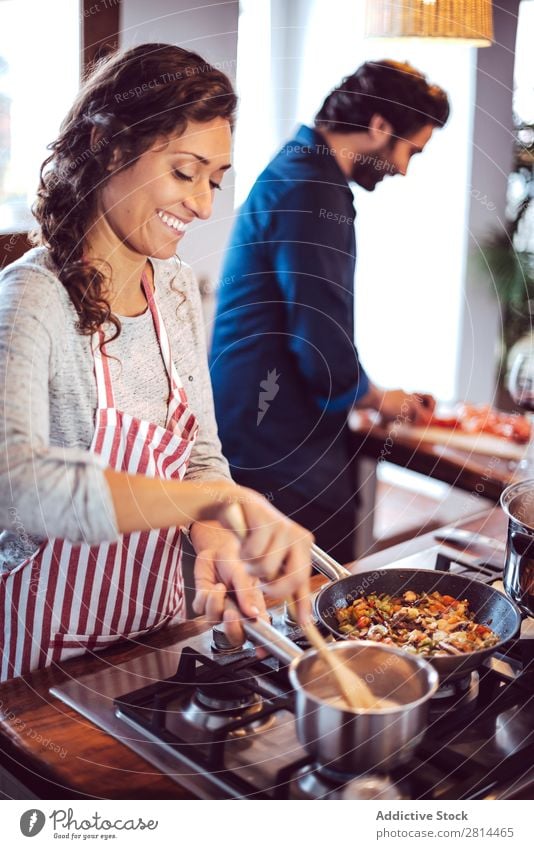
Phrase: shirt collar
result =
(318, 148)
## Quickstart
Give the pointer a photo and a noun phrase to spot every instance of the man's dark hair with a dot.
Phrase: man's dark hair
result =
(395, 90)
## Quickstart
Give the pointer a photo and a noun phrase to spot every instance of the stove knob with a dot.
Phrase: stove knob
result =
(289, 616)
(220, 642)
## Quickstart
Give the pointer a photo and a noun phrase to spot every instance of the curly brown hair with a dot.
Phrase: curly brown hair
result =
(129, 101)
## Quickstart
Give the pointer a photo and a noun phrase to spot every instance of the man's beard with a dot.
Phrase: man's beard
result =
(369, 169)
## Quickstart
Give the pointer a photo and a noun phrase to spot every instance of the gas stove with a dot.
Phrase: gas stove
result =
(220, 722)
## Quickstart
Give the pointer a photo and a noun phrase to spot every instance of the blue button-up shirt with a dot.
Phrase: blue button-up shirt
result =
(284, 367)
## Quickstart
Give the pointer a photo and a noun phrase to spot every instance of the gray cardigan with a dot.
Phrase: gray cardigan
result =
(50, 484)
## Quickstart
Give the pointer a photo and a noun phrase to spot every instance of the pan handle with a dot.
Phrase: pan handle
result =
(327, 566)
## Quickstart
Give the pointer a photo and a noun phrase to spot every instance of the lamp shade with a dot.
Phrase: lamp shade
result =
(468, 21)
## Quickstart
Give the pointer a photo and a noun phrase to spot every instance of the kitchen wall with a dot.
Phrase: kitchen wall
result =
(209, 29)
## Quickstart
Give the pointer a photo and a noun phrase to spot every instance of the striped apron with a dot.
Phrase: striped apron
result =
(69, 599)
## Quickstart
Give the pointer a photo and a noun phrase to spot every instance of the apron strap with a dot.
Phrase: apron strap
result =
(104, 387)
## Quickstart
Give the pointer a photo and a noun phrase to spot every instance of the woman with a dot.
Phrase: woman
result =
(111, 444)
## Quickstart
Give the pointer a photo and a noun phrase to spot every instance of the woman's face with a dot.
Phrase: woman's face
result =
(148, 206)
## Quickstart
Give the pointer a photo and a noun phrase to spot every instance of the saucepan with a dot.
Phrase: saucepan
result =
(517, 501)
(354, 740)
(490, 606)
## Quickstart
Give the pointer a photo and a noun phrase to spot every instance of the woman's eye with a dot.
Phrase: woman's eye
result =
(215, 185)
(181, 176)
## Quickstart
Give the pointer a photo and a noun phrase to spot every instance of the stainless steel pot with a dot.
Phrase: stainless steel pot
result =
(355, 740)
(517, 501)
(360, 740)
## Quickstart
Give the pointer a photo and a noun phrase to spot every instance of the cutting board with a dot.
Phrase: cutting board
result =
(481, 443)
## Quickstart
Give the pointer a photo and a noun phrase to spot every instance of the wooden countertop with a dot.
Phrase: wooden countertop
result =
(58, 754)
(482, 474)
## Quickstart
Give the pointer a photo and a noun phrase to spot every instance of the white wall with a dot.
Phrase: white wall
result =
(210, 29)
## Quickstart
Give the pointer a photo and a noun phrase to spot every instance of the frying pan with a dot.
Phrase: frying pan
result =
(490, 606)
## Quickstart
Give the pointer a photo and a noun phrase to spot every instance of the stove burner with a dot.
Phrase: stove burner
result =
(210, 711)
(226, 697)
(456, 694)
(318, 782)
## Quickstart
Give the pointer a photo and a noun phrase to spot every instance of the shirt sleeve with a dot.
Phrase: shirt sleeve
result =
(312, 244)
(45, 491)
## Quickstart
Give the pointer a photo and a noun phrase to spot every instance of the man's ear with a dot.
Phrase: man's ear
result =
(380, 131)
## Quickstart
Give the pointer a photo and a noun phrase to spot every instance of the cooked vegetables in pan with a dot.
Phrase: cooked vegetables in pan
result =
(425, 623)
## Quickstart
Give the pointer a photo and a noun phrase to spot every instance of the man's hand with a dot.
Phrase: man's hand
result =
(416, 408)
(219, 568)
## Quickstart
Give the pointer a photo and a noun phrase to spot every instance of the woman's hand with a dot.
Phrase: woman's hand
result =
(275, 549)
(219, 568)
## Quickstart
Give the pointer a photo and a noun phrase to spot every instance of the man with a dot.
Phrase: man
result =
(284, 366)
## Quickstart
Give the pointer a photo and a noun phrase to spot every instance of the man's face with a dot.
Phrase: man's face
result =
(393, 157)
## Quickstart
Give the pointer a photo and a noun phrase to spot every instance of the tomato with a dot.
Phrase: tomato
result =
(485, 419)
(448, 599)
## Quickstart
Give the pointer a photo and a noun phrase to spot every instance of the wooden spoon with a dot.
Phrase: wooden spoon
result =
(354, 689)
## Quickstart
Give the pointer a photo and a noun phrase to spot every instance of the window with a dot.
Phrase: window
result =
(39, 78)
(255, 140)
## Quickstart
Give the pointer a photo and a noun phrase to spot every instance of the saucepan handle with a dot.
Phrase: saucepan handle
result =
(262, 633)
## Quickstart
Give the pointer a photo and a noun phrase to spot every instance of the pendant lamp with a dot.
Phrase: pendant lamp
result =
(454, 21)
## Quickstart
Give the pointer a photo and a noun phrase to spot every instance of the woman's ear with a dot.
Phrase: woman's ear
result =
(99, 141)
(114, 161)
(380, 131)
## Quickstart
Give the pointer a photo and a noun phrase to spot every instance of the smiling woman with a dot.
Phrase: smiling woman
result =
(129, 120)
(106, 457)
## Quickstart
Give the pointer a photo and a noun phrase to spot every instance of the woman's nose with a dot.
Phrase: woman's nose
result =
(200, 203)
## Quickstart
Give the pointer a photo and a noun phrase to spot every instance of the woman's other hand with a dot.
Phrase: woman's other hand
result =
(219, 569)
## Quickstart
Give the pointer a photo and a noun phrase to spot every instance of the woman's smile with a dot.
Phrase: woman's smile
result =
(172, 222)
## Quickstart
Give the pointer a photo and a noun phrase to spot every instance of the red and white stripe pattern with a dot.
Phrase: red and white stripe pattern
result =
(68, 599)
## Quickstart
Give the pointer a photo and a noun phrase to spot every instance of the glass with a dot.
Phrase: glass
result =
(521, 388)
